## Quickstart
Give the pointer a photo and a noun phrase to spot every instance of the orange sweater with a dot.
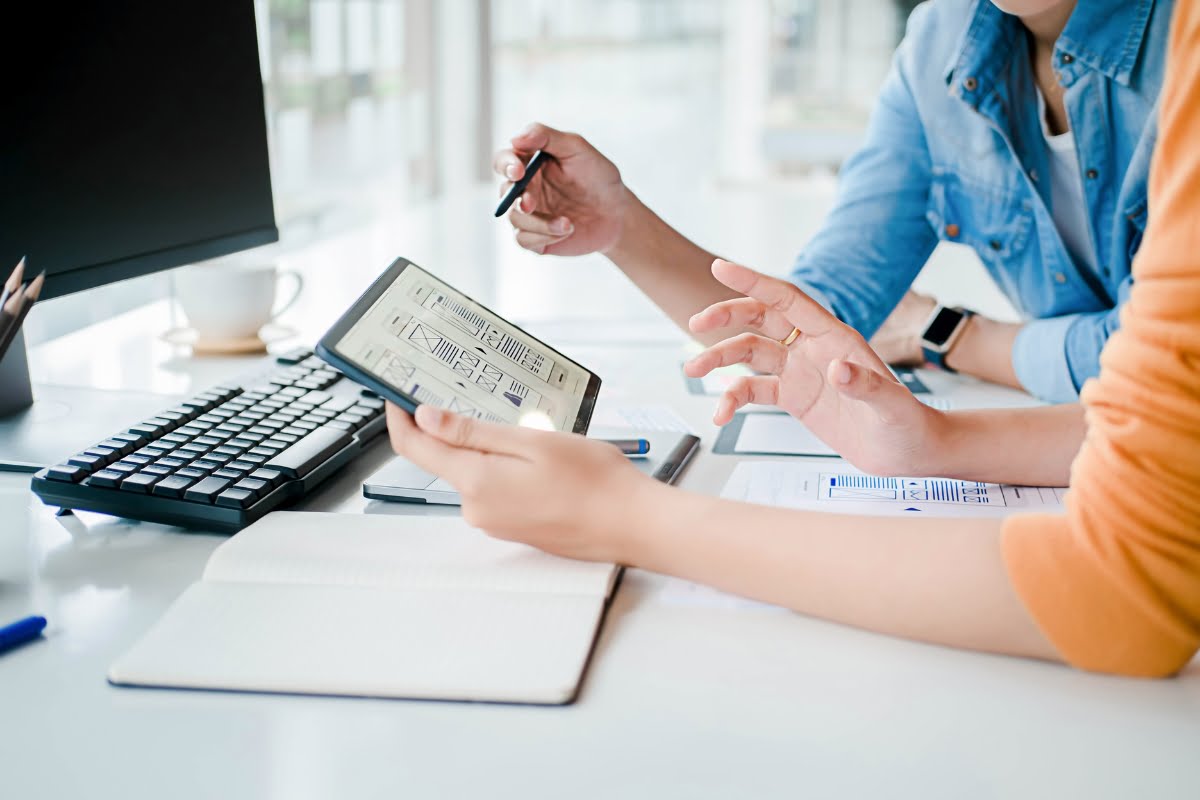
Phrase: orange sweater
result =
(1114, 583)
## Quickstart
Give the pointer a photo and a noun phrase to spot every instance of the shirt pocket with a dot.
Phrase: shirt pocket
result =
(996, 222)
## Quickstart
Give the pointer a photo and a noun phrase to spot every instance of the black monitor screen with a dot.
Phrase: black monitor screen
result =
(132, 137)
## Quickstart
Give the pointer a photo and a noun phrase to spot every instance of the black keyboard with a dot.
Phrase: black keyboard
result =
(226, 457)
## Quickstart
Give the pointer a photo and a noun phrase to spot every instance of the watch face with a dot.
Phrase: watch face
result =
(942, 326)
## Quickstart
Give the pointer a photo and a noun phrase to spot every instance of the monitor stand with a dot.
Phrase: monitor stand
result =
(44, 424)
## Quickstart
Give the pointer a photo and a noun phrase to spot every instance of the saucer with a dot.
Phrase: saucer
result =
(242, 345)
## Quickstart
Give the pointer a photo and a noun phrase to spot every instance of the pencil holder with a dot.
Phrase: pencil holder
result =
(16, 394)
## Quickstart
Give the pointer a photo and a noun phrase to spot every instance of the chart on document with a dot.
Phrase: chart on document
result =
(795, 485)
(439, 348)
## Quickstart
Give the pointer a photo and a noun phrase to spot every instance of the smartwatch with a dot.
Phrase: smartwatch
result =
(942, 330)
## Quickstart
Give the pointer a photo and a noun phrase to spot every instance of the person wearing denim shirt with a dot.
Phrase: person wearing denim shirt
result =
(955, 152)
(1021, 128)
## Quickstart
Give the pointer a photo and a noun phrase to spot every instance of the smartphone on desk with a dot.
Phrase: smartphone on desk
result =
(412, 338)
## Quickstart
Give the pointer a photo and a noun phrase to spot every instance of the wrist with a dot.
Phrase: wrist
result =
(632, 217)
(648, 514)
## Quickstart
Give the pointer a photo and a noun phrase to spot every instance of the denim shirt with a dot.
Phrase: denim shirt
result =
(955, 151)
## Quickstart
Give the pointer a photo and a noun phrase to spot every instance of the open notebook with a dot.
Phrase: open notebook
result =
(384, 606)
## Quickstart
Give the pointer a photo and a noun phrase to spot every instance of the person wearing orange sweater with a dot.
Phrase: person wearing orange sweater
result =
(1112, 585)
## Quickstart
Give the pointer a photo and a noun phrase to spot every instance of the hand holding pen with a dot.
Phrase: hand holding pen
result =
(15, 301)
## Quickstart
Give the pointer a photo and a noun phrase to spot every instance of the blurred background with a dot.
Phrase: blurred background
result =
(728, 117)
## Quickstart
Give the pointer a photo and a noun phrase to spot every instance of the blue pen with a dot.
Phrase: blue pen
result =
(21, 631)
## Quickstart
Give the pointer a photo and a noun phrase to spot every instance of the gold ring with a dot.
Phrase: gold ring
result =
(791, 337)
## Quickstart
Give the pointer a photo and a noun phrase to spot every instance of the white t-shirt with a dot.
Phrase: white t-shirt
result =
(1068, 204)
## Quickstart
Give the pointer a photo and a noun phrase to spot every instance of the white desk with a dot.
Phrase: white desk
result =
(681, 700)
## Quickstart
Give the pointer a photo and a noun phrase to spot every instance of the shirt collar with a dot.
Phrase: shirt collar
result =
(1105, 35)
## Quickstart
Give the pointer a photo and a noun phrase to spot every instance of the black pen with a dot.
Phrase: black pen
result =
(540, 157)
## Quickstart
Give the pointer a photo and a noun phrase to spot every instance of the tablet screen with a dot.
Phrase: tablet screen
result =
(436, 345)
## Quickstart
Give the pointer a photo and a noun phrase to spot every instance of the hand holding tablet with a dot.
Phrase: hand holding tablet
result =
(413, 339)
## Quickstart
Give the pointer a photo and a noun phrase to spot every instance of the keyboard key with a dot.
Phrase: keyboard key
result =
(340, 425)
(155, 469)
(170, 462)
(195, 447)
(222, 435)
(252, 437)
(236, 498)
(175, 438)
(173, 486)
(273, 477)
(162, 422)
(134, 439)
(222, 413)
(139, 482)
(320, 414)
(252, 458)
(155, 450)
(197, 405)
(174, 416)
(218, 458)
(119, 446)
(273, 404)
(372, 403)
(241, 465)
(357, 420)
(266, 450)
(294, 356)
(340, 404)
(106, 479)
(87, 462)
(67, 473)
(291, 391)
(228, 450)
(292, 430)
(241, 443)
(303, 425)
(106, 453)
(313, 361)
(124, 467)
(190, 431)
(231, 427)
(206, 490)
(257, 487)
(310, 452)
(281, 441)
(191, 472)
(147, 431)
(231, 474)
(316, 398)
(205, 465)
(211, 419)
(139, 458)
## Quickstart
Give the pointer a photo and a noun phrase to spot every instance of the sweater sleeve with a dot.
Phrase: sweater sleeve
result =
(1114, 584)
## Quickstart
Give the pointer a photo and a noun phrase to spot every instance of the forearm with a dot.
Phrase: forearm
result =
(1024, 446)
(935, 580)
(985, 351)
(672, 270)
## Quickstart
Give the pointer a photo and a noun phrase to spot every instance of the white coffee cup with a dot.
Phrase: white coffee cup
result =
(232, 301)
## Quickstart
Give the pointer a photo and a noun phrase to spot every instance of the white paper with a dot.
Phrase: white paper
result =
(846, 491)
(640, 417)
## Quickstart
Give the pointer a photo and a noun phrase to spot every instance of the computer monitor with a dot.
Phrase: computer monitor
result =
(134, 140)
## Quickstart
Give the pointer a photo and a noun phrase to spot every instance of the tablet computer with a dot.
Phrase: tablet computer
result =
(412, 338)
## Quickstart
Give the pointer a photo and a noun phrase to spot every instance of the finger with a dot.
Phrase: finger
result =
(761, 389)
(886, 395)
(536, 242)
(428, 452)
(560, 144)
(743, 312)
(798, 308)
(759, 352)
(466, 433)
(508, 164)
(543, 224)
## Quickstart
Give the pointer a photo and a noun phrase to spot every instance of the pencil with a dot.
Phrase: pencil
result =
(14, 280)
(28, 296)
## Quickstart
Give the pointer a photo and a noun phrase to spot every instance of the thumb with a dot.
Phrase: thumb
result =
(466, 432)
(559, 144)
(888, 397)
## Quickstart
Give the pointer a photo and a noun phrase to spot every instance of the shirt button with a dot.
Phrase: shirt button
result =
(1092, 174)
(1060, 278)
(994, 244)
(970, 84)
(952, 231)
(1033, 175)
(1067, 58)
